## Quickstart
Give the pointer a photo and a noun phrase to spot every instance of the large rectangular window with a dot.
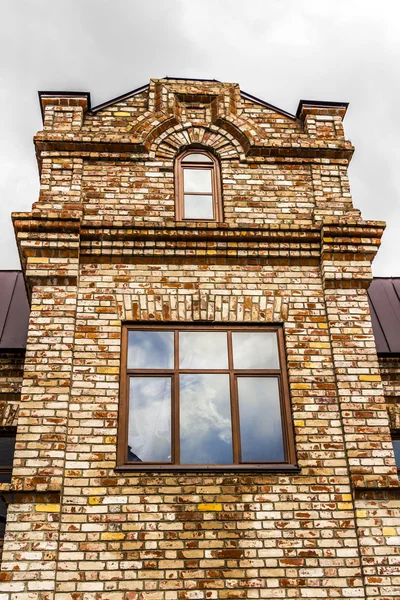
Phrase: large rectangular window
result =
(204, 398)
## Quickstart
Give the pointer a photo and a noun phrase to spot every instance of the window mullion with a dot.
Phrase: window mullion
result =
(234, 404)
(175, 402)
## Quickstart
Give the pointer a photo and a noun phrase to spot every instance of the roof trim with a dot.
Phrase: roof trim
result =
(190, 79)
(321, 104)
(103, 105)
(267, 105)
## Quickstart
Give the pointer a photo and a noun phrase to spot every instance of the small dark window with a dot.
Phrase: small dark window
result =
(396, 448)
(3, 519)
(204, 396)
(198, 187)
(7, 447)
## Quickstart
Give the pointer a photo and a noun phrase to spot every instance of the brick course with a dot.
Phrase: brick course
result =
(101, 247)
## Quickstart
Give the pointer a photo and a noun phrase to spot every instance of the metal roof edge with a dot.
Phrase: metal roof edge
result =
(267, 105)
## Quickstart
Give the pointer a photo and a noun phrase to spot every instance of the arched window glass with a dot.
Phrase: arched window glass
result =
(198, 187)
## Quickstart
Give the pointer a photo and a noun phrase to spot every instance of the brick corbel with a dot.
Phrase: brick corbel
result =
(64, 110)
(347, 251)
(48, 245)
(322, 120)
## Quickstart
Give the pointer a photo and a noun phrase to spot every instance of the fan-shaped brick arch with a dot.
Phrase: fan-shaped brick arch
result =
(169, 142)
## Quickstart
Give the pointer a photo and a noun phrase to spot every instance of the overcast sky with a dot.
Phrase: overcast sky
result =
(278, 50)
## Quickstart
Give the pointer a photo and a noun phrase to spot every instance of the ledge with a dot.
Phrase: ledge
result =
(278, 468)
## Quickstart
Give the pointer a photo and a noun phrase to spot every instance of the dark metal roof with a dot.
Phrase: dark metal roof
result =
(14, 311)
(384, 301)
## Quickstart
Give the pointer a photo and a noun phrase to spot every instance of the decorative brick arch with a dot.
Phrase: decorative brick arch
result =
(174, 138)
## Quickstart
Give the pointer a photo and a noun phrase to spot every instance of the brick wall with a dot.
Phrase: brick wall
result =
(101, 247)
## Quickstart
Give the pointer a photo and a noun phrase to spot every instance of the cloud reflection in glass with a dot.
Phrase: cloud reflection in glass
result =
(205, 419)
(151, 350)
(260, 419)
(149, 432)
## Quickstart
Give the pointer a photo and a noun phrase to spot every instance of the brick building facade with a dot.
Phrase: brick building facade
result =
(265, 467)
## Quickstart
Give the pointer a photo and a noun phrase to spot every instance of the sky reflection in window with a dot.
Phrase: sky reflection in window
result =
(396, 448)
(205, 419)
(260, 419)
(198, 207)
(255, 350)
(195, 157)
(197, 180)
(149, 433)
(151, 350)
(203, 350)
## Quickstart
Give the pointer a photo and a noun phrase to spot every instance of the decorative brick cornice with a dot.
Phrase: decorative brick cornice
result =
(48, 245)
(52, 243)
(108, 148)
(199, 244)
(347, 251)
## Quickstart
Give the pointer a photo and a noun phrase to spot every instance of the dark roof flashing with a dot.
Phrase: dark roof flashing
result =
(43, 95)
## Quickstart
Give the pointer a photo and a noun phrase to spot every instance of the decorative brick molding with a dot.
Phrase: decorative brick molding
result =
(203, 306)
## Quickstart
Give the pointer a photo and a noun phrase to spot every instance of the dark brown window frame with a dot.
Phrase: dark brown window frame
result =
(281, 374)
(216, 188)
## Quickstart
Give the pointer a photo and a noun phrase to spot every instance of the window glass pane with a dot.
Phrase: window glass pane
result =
(205, 419)
(7, 446)
(396, 448)
(194, 157)
(255, 350)
(260, 419)
(203, 350)
(197, 180)
(149, 432)
(150, 349)
(199, 207)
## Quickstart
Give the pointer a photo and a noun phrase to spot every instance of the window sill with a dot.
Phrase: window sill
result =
(270, 468)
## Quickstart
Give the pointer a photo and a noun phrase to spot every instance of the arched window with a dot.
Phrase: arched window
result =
(198, 187)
